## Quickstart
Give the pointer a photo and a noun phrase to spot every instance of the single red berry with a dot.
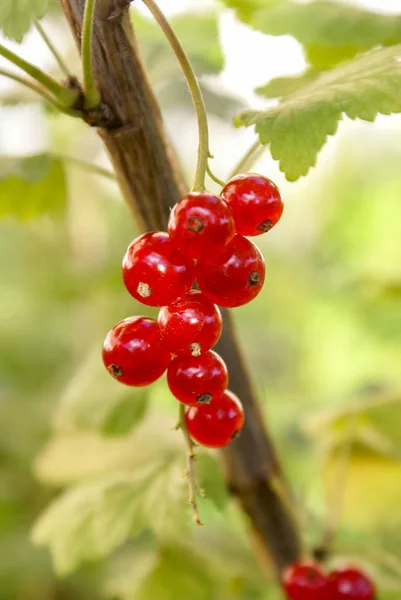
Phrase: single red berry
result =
(350, 584)
(201, 225)
(255, 202)
(191, 325)
(197, 380)
(154, 271)
(132, 352)
(237, 275)
(216, 424)
(305, 581)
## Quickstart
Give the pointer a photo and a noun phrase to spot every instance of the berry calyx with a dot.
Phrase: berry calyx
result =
(197, 380)
(201, 225)
(154, 271)
(191, 325)
(216, 424)
(255, 202)
(305, 581)
(235, 277)
(132, 352)
(350, 584)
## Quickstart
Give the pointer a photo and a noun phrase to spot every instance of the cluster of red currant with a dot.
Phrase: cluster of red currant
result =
(205, 243)
(307, 581)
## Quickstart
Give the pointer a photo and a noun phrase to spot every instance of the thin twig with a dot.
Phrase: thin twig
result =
(92, 96)
(41, 91)
(248, 159)
(64, 96)
(193, 488)
(85, 165)
(53, 49)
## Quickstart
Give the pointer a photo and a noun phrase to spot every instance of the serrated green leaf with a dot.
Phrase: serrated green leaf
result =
(74, 456)
(16, 16)
(32, 186)
(285, 86)
(211, 479)
(330, 31)
(299, 126)
(89, 521)
(197, 32)
(96, 402)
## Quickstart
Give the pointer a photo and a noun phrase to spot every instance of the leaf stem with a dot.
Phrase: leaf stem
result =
(39, 90)
(64, 96)
(52, 49)
(248, 159)
(190, 466)
(92, 96)
(196, 93)
(84, 165)
(214, 177)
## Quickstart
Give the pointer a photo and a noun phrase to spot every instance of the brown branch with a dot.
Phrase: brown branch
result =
(130, 126)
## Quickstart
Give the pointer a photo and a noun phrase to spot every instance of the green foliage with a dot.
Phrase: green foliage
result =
(32, 186)
(211, 479)
(94, 401)
(16, 16)
(299, 126)
(330, 31)
(89, 521)
(285, 86)
(198, 34)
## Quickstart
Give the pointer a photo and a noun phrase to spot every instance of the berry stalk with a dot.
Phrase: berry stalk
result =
(190, 466)
(194, 88)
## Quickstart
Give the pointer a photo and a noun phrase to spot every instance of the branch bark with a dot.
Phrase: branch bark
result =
(131, 128)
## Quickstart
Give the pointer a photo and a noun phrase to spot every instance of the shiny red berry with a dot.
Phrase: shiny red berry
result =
(237, 275)
(201, 225)
(197, 380)
(216, 424)
(350, 584)
(255, 202)
(154, 271)
(305, 581)
(132, 352)
(191, 325)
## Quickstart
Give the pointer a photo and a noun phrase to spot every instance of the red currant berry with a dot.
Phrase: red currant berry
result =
(255, 202)
(237, 275)
(305, 581)
(201, 224)
(197, 379)
(191, 325)
(154, 271)
(350, 584)
(132, 352)
(216, 424)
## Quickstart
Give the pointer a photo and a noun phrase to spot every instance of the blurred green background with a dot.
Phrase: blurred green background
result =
(323, 344)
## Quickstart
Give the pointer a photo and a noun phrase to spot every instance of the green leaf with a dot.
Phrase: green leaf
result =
(330, 31)
(16, 16)
(96, 402)
(197, 32)
(178, 574)
(285, 86)
(88, 522)
(211, 479)
(91, 520)
(32, 186)
(74, 456)
(298, 127)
